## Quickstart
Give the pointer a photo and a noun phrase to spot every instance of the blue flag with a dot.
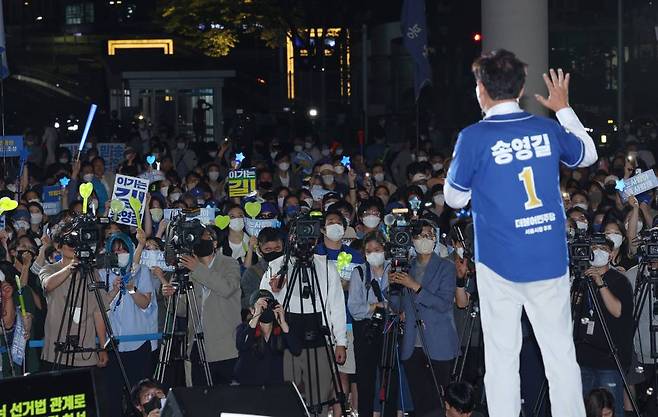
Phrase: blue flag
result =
(414, 33)
(4, 67)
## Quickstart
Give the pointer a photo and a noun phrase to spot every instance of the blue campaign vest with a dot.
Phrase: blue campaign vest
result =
(510, 163)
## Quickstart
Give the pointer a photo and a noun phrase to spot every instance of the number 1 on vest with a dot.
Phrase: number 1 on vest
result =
(527, 177)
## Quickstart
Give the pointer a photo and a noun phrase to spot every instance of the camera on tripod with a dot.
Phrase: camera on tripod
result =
(183, 233)
(305, 232)
(580, 250)
(83, 235)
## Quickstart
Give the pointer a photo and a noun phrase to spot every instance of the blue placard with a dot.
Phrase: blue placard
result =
(639, 183)
(11, 146)
(50, 198)
(112, 153)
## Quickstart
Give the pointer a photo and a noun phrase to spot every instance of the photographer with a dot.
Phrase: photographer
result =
(262, 341)
(219, 303)
(309, 327)
(56, 279)
(615, 297)
(147, 397)
(270, 246)
(427, 302)
(368, 285)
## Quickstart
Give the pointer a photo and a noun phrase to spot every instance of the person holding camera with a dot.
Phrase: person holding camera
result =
(262, 341)
(270, 246)
(305, 316)
(427, 301)
(56, 280)
(147, 396)
(615, 296)
(218, 297)
(368, 285)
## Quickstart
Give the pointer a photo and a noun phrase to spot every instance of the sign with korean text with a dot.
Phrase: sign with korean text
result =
(638, 184)
(11, 146)
(153, 258)
(124, 188)
(206, 215)
(254, 226)
(241, 182)
(50, 199)
(112, 154)
(52, 394)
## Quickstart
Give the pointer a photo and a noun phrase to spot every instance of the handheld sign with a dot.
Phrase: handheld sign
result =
(117, 207)
(253, 208)
(7, 204)
(638, 184)
(222, 221)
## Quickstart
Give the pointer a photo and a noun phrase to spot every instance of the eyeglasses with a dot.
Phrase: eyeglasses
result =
(373, 213)
(430, 236)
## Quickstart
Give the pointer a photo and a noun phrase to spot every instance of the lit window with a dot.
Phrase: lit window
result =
(79, 13)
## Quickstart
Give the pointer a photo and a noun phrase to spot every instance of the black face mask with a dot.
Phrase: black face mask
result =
(204, 248)
(269, 257)
(267, 316)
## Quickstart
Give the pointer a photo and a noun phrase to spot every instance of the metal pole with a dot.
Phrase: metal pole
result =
(364, 77)
(620, 63)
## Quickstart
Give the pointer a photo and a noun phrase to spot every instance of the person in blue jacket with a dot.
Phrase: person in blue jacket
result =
(425, 297)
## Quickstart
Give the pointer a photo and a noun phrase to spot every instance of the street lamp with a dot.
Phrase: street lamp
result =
(313, 112)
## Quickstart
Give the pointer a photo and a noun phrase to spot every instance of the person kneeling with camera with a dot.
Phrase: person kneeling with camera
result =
(615, 296)
(218, 297)
(427, 302)
(262, 341)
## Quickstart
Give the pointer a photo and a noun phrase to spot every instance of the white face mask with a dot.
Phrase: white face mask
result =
(379, 177)
(424, 246)
(335, 232)
(22, 224)
(328, 179)
(600, 258)
(298, 148)
(581, 225)
(213, 154)
(36, 218)
(122, 259)
(180, 145)
(423, 187)
(308, 145)
(371, 221)
(437, 166)
(280, 201)
(213, 175)
(164, 191)
(34, 200)
(460, 252)
(88, 177)
(639, 225)
(439, 199)
(174, 197)
(237, 224)
(283, 166)
(340, 170)
(375, 258)
(583, 206)
(422, 159)
(326, 152)
(616, 238)
(11, 187)
(157, 214)
(63, 160)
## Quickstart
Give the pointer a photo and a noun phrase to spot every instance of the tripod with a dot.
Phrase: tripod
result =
(183, 287)
(582, 287)
(646, 290)
(304, 281)
(473, 312)
(389, 363)
(82, 280)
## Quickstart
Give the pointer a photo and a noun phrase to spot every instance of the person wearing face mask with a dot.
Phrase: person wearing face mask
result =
(216, 186)
(333, 248)
(429, 293)
(148, 397)
(184, 158)
(370, 213)
(154, 215)
(367, 293)
(270, 247)
(581, 200)
(218, 296)
(615, 297)
(284, 175)
(132, 309)
(620, 257)
(579, 216)
(633, 222)
(329, 184)
(37, 218)
(379, 178)
(261, 342)
(237, 243)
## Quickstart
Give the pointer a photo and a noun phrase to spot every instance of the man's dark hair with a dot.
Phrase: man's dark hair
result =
(460, 396)
(372, 202)
(136, 391)
(269, 234)
(333, 212)
(501, 73)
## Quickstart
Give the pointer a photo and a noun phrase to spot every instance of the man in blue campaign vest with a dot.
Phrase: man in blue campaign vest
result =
(508, 166)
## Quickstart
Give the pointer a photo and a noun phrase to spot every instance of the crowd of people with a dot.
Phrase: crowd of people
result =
(249, 337)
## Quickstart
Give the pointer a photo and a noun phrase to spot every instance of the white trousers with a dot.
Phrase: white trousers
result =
(547, 305)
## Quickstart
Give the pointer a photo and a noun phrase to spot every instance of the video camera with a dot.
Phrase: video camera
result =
(183, 233)
(304, 233)
(648, 248)
(83, 234)
(580, 250)
(400, 242)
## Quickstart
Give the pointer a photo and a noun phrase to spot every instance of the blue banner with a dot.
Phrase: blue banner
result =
(50, 199)
(11, 146)
(414, 35)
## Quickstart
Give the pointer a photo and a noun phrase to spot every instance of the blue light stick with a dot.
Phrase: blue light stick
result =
(90, 118)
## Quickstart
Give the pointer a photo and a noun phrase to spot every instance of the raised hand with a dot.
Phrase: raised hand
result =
(558, 90)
